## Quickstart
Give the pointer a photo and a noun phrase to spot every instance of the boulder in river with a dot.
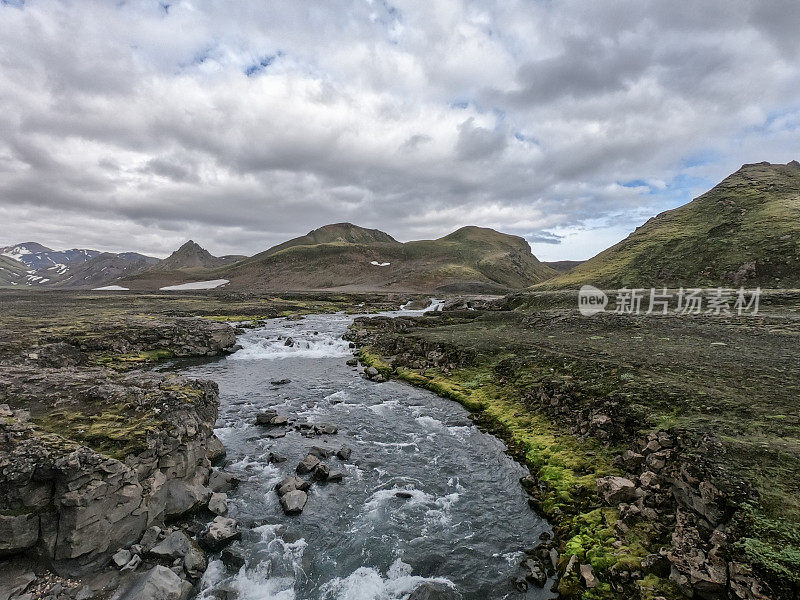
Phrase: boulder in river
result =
(195, 563)
(281, 381)
(274, 458)
(232, 558)
(218, 504)
(322, 472)
(291, 483)
(159, 583)
(294, 502)
(326, 429)
(219, 533)
(344, 452)
(308, 464)
(335, 476)
(320, 452)
(535, 572)
(222, 481)
(175, 545)
(270, 418)
(434, 591)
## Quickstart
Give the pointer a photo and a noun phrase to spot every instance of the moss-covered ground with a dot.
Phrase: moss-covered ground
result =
(733, 379)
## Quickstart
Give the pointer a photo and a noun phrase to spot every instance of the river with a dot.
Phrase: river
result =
(461, 520)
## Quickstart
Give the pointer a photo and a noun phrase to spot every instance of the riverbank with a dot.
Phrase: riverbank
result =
(658, 448)
(106, 476)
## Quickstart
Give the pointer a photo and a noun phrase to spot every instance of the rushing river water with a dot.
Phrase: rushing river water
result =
(465, 519)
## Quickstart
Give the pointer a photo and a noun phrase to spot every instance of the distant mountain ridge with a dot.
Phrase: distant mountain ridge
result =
(743, 232)
(35, 265)
(343, 256)
(36, 256)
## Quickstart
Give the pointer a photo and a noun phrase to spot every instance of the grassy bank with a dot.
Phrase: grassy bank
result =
(567, 466)
(727, 387)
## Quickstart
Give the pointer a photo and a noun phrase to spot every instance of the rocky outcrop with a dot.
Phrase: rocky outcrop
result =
(159, 583)
(181, 336)
(89, 459)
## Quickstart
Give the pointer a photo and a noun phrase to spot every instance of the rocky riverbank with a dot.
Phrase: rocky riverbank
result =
(639, 511)
(96, 458)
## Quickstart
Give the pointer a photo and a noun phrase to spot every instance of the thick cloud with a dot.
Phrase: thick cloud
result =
(136, 125)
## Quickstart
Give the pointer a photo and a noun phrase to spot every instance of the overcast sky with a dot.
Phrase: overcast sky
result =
(137, 125)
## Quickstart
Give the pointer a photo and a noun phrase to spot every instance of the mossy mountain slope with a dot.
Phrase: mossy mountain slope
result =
(12, 272)
(347, 257)
(743, 232)
(337, 233)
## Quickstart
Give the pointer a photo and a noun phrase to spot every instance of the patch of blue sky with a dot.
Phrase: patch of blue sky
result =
(701, 158)
(523, 137)
(635, 183)
(262, 64)
(787, 118)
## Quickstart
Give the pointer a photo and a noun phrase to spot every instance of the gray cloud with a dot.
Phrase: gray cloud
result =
(475, 142)
(242, 124)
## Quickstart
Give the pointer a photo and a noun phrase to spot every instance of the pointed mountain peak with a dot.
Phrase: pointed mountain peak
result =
(190, 256)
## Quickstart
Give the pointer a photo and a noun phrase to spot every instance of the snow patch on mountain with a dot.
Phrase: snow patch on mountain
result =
(196, 285)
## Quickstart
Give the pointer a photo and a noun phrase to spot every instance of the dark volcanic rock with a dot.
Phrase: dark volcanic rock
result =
(308, 464)
(80, 487)
(434, 591)
(219, 533)
(293, 502)
(159, 583)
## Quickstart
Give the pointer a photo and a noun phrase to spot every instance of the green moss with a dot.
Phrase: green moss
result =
(116, 433)
(237, 318)
(188, 393)
(122, 362)
(16, 512)
(772, 543)
(568, 466)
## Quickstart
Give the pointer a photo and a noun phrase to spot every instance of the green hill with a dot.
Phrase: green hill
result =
(743, 232)
(350, 258)
(338, 233)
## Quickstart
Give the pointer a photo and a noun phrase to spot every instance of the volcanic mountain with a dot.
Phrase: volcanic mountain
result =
(193, 256)
(346, 257)
(743, 232)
